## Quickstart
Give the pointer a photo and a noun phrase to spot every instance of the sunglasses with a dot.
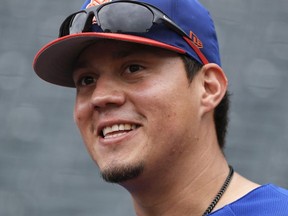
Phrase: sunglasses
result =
(123, 17)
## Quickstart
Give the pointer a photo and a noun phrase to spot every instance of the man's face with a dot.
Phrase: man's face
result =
(136, 111)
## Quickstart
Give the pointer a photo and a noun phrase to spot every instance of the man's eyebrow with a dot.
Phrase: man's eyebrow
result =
(80, 65)
(83, 64)
(119, 54)
(125, 53)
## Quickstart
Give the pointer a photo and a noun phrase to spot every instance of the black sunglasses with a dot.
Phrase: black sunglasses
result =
(122, 17)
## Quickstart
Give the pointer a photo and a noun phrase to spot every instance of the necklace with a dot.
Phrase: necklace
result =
(220, 193)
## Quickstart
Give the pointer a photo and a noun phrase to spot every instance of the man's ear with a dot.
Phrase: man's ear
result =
(214, 86)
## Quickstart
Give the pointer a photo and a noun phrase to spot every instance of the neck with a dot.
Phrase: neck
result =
(187, 188)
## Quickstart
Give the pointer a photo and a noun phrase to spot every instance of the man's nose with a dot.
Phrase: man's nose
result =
(107, 93)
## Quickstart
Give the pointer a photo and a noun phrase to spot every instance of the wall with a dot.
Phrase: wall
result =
(44, 167)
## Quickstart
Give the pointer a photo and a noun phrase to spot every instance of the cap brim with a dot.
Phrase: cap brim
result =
(54, 62)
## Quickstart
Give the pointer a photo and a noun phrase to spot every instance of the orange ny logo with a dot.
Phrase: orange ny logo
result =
(97, 2)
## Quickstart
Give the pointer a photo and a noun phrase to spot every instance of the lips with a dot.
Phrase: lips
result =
(117, 130)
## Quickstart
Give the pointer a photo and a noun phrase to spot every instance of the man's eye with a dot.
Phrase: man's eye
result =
(86, 80)
(134, 68)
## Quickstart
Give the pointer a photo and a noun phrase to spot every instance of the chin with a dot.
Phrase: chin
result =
(122, 173)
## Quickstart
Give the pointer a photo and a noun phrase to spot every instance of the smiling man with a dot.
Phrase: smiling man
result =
(152, 105)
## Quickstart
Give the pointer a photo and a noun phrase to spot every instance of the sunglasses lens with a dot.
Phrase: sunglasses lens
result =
(78, 23)
(125, 17)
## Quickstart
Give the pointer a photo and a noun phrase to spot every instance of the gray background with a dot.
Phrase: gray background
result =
(44, 167)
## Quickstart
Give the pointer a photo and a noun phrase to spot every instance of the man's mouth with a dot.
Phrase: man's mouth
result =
(117, 130)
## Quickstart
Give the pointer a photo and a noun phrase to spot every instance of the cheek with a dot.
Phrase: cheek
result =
(164, 98)
(171, 110)
(83, 117)
(82, 112)
(163, 105)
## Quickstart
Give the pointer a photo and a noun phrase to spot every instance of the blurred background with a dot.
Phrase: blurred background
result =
(44, 167)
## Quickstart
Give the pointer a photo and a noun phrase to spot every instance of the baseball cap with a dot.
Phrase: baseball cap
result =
(54, 62)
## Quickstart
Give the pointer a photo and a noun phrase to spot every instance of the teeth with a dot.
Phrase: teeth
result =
(121, 127)
(118, 127)
(127, 127)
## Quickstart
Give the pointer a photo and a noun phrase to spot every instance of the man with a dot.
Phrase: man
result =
(152, 106)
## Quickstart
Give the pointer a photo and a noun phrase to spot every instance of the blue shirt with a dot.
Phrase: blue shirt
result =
(266, 200)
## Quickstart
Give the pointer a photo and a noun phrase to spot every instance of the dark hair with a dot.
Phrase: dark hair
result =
(221, 111)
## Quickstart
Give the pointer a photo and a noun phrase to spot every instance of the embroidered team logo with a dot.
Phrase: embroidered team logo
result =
(196, 40)
(97, 2)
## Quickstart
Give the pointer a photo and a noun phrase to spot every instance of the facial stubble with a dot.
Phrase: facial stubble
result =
(119, 174)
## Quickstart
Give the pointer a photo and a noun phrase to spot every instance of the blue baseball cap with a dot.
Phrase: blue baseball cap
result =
(54, 62)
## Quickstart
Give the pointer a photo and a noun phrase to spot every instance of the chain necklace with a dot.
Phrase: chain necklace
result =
(220, 193)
